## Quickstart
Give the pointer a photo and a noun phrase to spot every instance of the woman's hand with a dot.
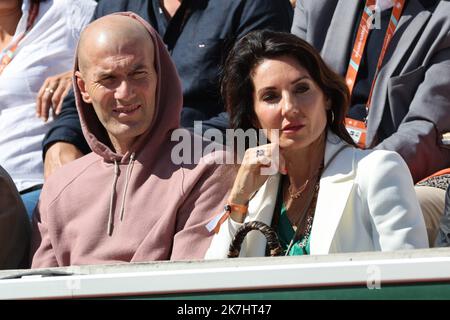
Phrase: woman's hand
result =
(52, 94)
(258, 164)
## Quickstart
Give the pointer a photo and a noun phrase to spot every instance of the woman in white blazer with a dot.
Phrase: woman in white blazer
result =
(326, 195)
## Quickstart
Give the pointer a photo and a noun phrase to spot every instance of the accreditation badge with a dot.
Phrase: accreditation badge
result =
(357, 130)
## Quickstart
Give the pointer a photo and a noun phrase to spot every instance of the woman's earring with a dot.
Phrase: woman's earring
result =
(332, 116)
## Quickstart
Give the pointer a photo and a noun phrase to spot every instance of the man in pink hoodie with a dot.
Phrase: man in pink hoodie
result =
(127, 201)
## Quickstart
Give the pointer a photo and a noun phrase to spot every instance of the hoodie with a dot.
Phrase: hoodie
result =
(140, 206)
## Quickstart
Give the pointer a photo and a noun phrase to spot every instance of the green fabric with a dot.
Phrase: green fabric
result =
(285, 232)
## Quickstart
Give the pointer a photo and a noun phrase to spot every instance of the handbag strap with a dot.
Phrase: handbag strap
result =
(273, 243)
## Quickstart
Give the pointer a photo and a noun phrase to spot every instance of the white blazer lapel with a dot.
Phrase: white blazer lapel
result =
(335, 187)
(260, 208)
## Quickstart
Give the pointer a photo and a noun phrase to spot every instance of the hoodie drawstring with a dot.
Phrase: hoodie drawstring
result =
(127, 180)
(113, 191)
(111, 200)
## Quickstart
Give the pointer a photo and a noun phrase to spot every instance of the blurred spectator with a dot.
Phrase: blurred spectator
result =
(198, 35)
(14, 226)
(38, 40)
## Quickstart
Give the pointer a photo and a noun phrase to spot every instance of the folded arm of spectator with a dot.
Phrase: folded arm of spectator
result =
(58, 154)
(419, 136)
(64, 141)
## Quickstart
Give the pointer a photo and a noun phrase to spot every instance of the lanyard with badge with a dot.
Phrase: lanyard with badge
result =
(357, 128)
(8, 54)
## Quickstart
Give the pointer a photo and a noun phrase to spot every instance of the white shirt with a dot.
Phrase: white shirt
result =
(48, 49)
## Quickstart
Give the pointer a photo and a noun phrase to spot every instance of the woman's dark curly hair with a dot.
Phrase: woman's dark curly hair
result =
(237, 84)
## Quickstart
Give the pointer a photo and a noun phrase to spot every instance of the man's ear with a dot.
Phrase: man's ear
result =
(82, 86)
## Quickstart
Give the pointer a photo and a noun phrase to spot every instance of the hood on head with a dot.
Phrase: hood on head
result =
(168, 104)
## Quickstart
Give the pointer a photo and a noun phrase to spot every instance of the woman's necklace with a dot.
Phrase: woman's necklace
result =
(307, 214)
(296, 194)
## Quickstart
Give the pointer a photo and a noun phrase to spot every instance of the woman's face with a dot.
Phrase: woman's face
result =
(288, 99)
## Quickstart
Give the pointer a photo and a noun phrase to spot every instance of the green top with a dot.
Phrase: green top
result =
(285, 232)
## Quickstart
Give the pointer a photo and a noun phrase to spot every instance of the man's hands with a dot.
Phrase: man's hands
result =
(59, 154)
(52, 93)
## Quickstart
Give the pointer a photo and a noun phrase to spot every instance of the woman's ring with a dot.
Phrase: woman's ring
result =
(260, 153)
(48, 89)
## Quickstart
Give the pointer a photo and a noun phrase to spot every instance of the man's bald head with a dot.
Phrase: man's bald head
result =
(118, 78)
(111, 32)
